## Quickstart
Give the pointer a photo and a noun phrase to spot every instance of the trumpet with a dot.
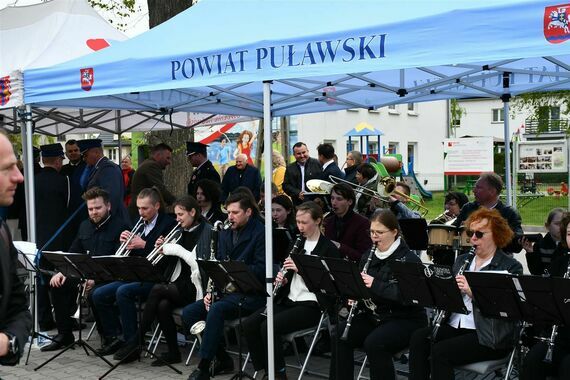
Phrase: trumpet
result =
(444, 218)
(123, 251)
(173, 236)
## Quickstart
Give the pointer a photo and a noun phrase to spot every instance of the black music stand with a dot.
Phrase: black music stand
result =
(432, 286)
(236, 275)
(82, 267)
(132, 269)
(415, 233)
(34, 271)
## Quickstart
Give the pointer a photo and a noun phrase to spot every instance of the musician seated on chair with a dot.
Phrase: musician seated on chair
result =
(97, 236)
(345, 228)
(465, 339)
(454, 201)
(296, 308)
(367, 177)
(398, 203)
(120, 298)
(186, 284)
(245, 241)
(534, 365)
(383, 327)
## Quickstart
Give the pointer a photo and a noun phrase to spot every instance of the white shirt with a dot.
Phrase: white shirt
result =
(150, 225)
(302, 168)
(298, 290)
(466, 321)
(327, 164)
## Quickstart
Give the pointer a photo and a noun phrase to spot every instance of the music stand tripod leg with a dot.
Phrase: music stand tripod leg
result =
(240, 374)
(140, 347)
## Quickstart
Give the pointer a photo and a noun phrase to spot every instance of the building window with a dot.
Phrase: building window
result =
(392, 110)
(412, 158)
(411, 107)
(113, 154)
(498, 115)
(393, 147)
(392, 107)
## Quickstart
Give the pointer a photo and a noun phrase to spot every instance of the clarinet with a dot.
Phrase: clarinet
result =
(355, 303)
(441, 314)
(554, 333)
(294, 250)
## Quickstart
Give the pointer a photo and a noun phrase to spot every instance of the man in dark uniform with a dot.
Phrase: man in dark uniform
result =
(203, 168)
(74, 156)
(97, 236)
(103, 173)
(149, 174)
(15, 318)
(52, 200)
(487, 191)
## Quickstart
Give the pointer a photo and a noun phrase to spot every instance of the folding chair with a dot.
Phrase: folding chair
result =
(302, 333)
(489, 366)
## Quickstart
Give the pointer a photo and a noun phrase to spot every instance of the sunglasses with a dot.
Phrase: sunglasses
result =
(479, 234)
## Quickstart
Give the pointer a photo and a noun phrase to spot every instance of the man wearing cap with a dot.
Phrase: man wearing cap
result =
(149, 174)
(52, 200)
(203, 168)
(103, 173)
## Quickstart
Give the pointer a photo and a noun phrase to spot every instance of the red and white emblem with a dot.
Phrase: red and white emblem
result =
(556, 23)
(87, 78)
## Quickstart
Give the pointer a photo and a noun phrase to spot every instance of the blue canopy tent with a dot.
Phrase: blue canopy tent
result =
(295, 57)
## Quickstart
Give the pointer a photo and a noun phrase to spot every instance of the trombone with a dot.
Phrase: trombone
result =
(173, 236)
(123, 251)
(386, 188)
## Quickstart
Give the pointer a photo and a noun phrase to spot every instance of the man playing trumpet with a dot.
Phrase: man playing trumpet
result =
(119, 298)
(97, 236)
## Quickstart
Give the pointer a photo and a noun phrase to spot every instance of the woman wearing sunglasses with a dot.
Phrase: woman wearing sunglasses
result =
(386, 330)
(464, 339)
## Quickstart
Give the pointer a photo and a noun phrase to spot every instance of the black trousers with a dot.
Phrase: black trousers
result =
(452, 347)
(287, 318)
(45, 316)
(64, 299)
(534, 367)
(380, 341)
(161, 301)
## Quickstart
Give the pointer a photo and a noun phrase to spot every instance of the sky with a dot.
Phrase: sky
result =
(137, 23)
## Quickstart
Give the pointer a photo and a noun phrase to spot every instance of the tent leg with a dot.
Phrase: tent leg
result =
(506, 98)
(267, 167)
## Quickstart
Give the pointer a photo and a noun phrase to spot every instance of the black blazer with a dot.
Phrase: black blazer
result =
(292, 180)
(15, 317)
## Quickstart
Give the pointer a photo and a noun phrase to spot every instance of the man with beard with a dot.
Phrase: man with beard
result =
(97, 236)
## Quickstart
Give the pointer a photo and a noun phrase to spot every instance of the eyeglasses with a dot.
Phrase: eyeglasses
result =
(377, 233)
(479, 234)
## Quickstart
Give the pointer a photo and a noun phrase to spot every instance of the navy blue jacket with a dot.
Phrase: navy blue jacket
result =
(332, 169)
(249, 248)
(108, 176)
(164, 224)
(249, 177)
(99, 240)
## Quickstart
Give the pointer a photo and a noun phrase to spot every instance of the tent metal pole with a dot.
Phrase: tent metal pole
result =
(267, 168)
(120, 133)
(27, 132)
(506, 134)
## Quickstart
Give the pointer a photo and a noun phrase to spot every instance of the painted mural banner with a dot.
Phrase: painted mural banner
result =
(542, 156)
(468, 156)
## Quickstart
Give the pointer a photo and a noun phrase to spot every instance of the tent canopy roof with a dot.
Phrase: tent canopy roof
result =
(320, 55)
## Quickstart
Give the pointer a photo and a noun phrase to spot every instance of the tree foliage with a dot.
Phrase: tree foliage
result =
(539, 104)
(122, 10)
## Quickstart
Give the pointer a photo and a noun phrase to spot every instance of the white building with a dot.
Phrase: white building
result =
(414, 130)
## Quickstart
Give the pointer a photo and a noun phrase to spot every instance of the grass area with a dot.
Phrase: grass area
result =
(534, 213)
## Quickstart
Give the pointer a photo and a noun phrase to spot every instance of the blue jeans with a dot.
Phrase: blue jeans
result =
(120, 299)
(221, 310)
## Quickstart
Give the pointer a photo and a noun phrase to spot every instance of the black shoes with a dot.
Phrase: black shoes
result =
(167, 358)
(110, 346)
(59, 341)
(199, 374)
(222, 366)
(128, 353)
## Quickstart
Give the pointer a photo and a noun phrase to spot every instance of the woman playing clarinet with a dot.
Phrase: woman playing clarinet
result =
(383, 328)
